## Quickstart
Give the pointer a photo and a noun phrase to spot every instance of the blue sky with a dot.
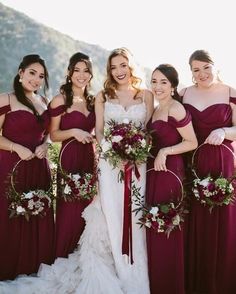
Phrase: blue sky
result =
(166, 31)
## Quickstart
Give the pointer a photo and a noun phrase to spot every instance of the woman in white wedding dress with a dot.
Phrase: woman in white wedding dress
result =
(99, 266)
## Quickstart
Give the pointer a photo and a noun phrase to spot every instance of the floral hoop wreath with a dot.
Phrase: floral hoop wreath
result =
(76, 186)
(211, 191)
(31, 203)
(162, 217)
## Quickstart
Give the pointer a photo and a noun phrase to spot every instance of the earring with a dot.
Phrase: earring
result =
(20, 80)
(193, 80)
(172, 92)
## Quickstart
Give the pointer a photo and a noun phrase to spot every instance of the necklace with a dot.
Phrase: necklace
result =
(78, 99)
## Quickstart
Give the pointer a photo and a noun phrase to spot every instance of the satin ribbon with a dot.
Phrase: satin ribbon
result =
(127, 240)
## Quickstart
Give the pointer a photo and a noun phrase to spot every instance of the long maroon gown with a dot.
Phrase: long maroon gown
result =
(165, 255)
(76, 157)
(24, 244)
(211, 243)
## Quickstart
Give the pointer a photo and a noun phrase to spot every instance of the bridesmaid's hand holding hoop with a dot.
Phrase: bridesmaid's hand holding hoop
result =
(23, 152)
(160, 160)
(82, 136)
(41, 150)
(216, 137)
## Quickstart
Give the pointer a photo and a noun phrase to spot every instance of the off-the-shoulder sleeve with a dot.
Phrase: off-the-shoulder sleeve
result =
(183, 122)
(232, 100)
(5, 109)
(56, 111)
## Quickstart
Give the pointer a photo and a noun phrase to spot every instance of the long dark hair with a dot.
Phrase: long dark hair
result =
(66, 89)
(172, 75)
(17, 85)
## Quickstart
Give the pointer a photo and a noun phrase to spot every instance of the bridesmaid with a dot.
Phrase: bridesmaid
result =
(173, 135)
(73, 117)
(24, 120)
(211, 255)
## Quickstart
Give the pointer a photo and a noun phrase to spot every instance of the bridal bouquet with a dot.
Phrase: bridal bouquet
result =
(78, 186)
(31, 203)
(125, 142)
(213, 192)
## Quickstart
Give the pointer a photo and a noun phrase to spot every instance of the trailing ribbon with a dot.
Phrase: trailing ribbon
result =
(127, 240)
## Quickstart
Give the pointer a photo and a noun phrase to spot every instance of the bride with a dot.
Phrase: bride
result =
(101, 265)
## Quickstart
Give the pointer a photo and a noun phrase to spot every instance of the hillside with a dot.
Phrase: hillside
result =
(20, 35)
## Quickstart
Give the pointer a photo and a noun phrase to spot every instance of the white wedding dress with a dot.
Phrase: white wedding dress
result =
(98, 266)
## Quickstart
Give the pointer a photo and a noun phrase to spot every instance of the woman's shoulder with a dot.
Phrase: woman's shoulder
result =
(57, 100)
(186, 89)
(5, 99)
(177, 110)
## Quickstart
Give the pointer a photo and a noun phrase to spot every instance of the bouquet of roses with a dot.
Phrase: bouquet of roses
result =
(213, 192)
(78, 186)
(125, 142)
(31, 203)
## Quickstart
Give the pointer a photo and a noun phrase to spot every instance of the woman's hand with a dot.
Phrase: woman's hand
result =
(41, 150)
(216, 137)
(23, 152)
(82, 136)
(160, 160)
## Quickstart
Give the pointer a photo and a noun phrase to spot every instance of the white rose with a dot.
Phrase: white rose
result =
(76, 177)
(117, 139)
(143, 143)
(20, 209)
(154, 210)
(204, 182)
(28, 195)
(106, 146)
(67, 189)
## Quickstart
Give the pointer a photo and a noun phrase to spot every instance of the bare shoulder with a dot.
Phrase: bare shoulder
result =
(4, 99)
(233, 92)
(147, 96)
(186, 90)
(177, 110)
(57, 101)
(99, 97)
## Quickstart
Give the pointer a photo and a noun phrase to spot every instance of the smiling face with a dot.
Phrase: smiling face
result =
(204, 73)
(81, 75)
(120, 70)
(32, 77)
(161, 86)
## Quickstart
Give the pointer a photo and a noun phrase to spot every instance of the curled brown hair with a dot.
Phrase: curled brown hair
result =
(110, 84)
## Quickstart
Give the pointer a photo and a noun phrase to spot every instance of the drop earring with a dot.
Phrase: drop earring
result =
(20, 80)
(172, 92)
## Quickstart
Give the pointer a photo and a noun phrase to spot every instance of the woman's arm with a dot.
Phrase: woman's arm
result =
(188, 143)
(99, 111)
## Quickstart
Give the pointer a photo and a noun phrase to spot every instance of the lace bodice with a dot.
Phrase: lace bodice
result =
(135, 113)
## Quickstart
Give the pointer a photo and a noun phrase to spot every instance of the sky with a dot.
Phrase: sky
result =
(156, 31)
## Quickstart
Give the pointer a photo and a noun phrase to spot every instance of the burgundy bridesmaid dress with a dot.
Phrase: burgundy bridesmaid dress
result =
(165, 255)
(24, 244)
(211, 243)
(76, 157)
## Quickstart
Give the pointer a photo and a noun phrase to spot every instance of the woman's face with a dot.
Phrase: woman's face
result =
(204, 73)
(32, 77)
(81, 75)
(120, 70)
(161, 86)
